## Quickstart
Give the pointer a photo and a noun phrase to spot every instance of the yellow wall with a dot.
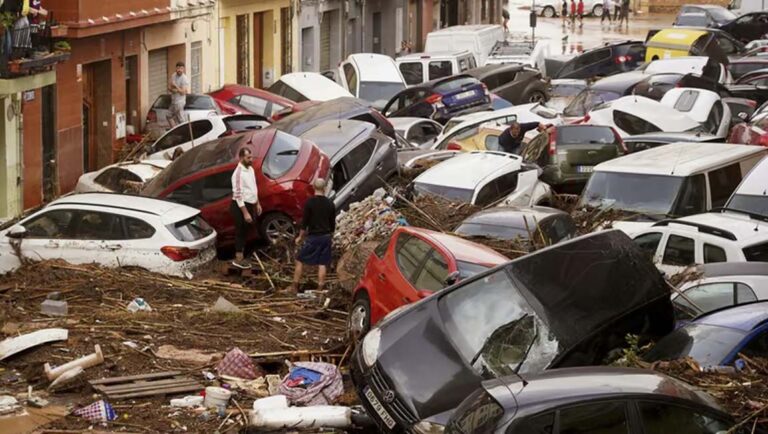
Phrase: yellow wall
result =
(271, 34)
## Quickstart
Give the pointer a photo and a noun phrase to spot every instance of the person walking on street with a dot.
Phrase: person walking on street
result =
(178, 85)
(564, 12)
(505, 19)
(573, 14)
(607, 4)
(624, 15)
(616, 10)
(580, 11)
(245, 204)
(511, 139)
(316, 236)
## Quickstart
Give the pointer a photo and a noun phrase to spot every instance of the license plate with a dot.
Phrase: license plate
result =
(388, 421)
(585, 169)
(464, 95)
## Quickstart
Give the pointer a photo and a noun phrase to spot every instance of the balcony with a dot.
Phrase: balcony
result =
(28, 49)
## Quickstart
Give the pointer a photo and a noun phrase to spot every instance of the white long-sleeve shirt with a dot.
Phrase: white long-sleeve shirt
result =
(244, 189)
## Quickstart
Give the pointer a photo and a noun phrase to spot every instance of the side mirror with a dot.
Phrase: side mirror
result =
(452, 278)
(422, 293)
(453, 146)
(16, 232)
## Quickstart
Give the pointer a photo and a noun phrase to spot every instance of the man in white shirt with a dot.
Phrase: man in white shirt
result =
(245, 200)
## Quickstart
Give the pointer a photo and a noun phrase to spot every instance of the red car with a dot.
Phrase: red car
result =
(234, 98)
(412, 265)
(754, 132)
(285, 168)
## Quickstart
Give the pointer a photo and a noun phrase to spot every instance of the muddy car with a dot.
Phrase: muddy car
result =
(418, 364)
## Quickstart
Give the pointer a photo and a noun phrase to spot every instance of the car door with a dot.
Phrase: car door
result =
(94, 236)
(650, 243)
(212, 194)
(679, 252)
(137, 247)
(662, 417)
(49, 235)
(603, 417)
(399, 278)
(508, 88)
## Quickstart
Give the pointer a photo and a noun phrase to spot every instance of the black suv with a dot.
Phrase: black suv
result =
(609, 59)
(515, 83)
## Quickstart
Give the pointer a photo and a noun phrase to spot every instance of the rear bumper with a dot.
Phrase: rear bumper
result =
(445, 114)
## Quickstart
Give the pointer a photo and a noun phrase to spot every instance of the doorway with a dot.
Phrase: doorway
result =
(258, 49)
(50, 185)
(377, 32)
(307, 48)
(97, 115)
(243, 53)
(132, 93)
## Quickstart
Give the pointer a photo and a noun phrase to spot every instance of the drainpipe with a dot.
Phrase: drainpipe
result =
(20, 154)
(362, 28)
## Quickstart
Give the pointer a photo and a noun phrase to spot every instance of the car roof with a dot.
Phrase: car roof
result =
(481, 71)
(651, 110)
(432, 83)
(314, 85)
(564, 385)
(239, 89)
(466, 28)
(619, 82)
(371, 67)
(681, 35)
(463, 250)
(685, 136)
(169, 212)
(334, 135)
(468, 170)
(433, 55)
(743, 317)
(747, 231)
(681, 65)
(513, 216)
(679, 159)
(724, 269)
(703, 6)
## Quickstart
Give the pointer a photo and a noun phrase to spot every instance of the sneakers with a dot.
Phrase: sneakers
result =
(242, 264)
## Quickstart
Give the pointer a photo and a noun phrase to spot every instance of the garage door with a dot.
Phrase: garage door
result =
(158, 73)
(325, 42)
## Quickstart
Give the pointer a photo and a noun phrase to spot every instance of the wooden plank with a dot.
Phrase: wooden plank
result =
(149, 386)
(135, 377)
(143, 383)
(156, 392)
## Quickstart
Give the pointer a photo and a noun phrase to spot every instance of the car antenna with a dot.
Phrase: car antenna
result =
(757, 222)
(674, 166)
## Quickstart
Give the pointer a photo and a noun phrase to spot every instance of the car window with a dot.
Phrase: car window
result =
(181, 135)
(679, 251)
(714, 254)
(351, 75)
(199, 102)
(465, 65)
(632, 124)
(757, 253)
(282, 89)
(664, 417)
(603, 418)
(479, 414)
(540, 424)
(726, 44)
(440, 69)
(282, 155)
(358, 157)
(497, 189)
(255, 105)
(757, 346)
(744, 294)
(507, 77)
(592, 57)
(50, 225)
(492, 143)
(432, 276)
(454, 84)
(649, 243)
(94, 225)
(687, 100)
(558, 228)
(491, 82)
(204, 190)
(191, 229)
(723, 182)
(136, 229)
(409, 254)
(381, 249)
(117, 179)
(413, 72)
(714, 118)
(692, 199)
(709, 297)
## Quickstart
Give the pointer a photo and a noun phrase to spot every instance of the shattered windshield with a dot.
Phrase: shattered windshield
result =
(588, 99)
(507, 337)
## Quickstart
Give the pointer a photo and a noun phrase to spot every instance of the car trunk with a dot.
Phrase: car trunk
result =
(462, 93)
(580, 148)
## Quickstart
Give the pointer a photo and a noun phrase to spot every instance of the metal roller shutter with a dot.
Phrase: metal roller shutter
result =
(325, 42)
(158, 73)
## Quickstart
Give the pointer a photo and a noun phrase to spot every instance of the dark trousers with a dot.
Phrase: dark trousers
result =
(241, 226)
(606, 15)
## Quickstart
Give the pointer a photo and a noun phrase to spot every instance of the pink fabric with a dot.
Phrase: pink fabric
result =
(237, 364)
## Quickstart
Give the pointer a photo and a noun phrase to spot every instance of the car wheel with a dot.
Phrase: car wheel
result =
(537, 96)
(548, 12)
(359, 321)
(276, 227)
(597, 11)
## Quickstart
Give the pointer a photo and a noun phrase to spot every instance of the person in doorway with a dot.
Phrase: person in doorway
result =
(178, 86)
(564, 12)
(607, 4)
(315, 236)
(245, 204)
(511, 139)
(573, 14)
(580, 11)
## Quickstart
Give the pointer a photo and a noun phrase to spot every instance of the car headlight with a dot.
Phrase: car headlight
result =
(371, 346)
(425, 427)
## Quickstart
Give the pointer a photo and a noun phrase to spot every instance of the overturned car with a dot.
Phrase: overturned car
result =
(566, 305)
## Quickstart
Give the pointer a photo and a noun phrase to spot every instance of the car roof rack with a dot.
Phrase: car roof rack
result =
(706, 229)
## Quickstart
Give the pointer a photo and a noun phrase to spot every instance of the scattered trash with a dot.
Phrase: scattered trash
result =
(138, 304)
(187, 401)
(66, 378)
(196, 357)
(54, 307)
(135, 386)
(18, 344)
(274, 412)
(84, 362)
(210, 376)
(30, 419)
(37, 402)
(257, 387)
(55, 295)
(215, 396)
(99, 411)
(224, 305)
(372, 218)
(312, 383)
(273, 383)
(237, 364)
(270, 403)
(8, 404)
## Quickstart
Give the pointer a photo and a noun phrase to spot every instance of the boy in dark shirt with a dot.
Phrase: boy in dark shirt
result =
(317, 227)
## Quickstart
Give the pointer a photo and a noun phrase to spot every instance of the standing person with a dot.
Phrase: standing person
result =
(616, 10)
(511, 140)
(316, 236)
(624, 15)
(573, 14)
(606, 12)
(178, 85)
(564, 12)
(505, 18)
(245, 201)
(580, 11)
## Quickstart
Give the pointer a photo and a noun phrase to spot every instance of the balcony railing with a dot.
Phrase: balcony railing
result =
(28, 48)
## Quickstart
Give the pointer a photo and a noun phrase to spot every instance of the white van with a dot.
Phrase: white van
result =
(477, 39)
(371, 77)
(741, 7)
(419, 68)
(752, 194)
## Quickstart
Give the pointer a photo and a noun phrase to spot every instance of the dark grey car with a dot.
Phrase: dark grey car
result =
(513, 222)
(645, 141)
(590, 400)
(362, 158)
(515, 83)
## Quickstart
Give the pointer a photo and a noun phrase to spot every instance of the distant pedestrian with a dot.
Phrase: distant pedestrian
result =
(245, 204)
(511, 139)
(316, 236)
(505, 18)
(564, 12)
(616, 10)
(624, 14)
(573, 14)
(405, 48)
(580, 11)
(178, 86)
(607, 4)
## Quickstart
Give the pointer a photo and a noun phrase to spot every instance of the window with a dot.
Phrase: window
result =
(409, 253)
(632, 124)
(492, 143)
(50, 225)
(662, 418)
(603, 418)
(117, 179)
(455, 84)
(282, 155)
(252, 104)
(491, 82)
(722, 183)
(381, 249)
(715, 117)
(180, 135)
(532, 152)
(712, 296)
(432, 276)
(478, 415)
(204, 191)
(357, 158)
(649, 243)
(136, 229)
(413, 72)
(757, 253)
(592, 57)
(351, 75)
(191, 229)
(282, 89)
(94, 225)
(507, 77)
(558, 228)
(692, 199)
(714, 254)
(464, 65)
(726, 44)
(440, 69)
(679, 251)
(758, 346)
(196, 70)
(687, 100)
(542, 424)
(497, 189)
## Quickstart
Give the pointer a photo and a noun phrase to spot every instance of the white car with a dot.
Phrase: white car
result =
(720, 285)
(112, 230)
(307, 86)
(483, 179)
(420, 68)
(703, 106)
(523, 52)
(120, 177)
(552, 8)
(468, 125)
(703, 239)
(478, 39)
(633, 115)
(196, 107)
(371, 77)
(699, 65)
(752, 194)
(419, 132)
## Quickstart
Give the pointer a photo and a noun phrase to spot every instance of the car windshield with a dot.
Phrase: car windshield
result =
(379, 92)
(500, 341)
(646, 194)
(698, 19)
(751, 203)
(584, 135)
(452, 193)
(707, 344)
(118, 179)
(492, 231)
(586, 100)
(282, 155)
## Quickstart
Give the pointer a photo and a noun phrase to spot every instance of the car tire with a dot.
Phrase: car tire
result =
(359, 321)
(597, 11)
(276, 227)
(548, 12)
(537, 96)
